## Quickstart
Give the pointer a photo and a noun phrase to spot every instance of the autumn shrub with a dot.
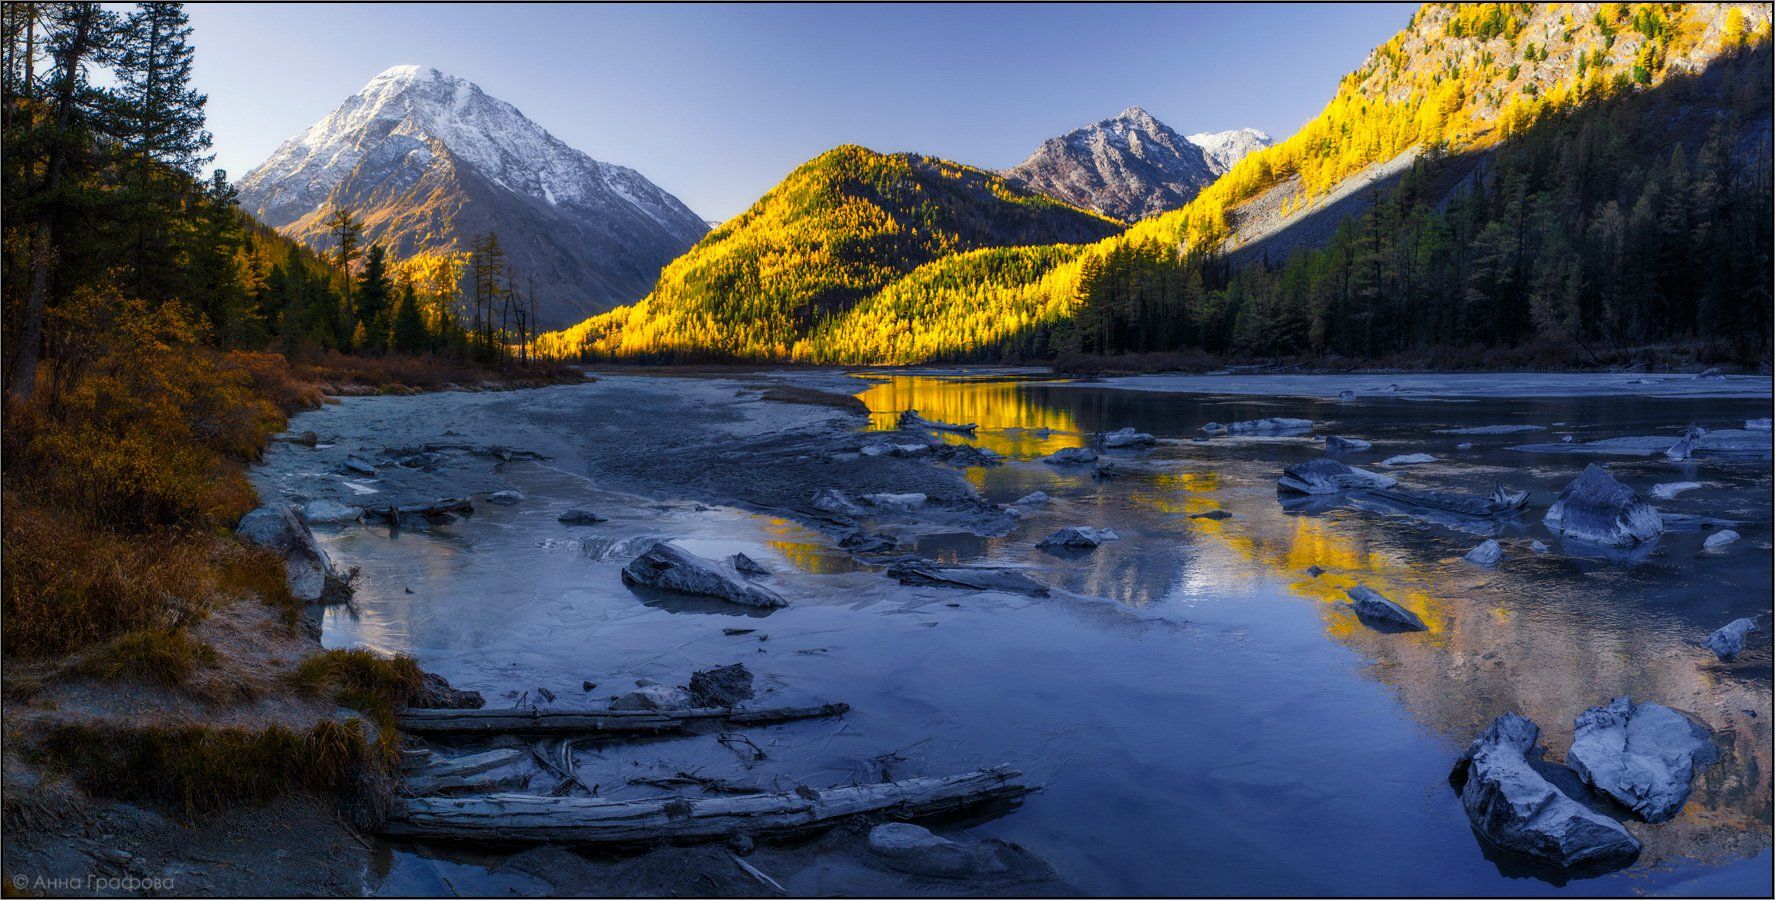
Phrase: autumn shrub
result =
(194, 768)
(65, 584)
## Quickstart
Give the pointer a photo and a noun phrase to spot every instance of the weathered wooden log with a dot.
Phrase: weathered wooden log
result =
(529, 818)
(590, 721)
(442, 507)
(480, 783)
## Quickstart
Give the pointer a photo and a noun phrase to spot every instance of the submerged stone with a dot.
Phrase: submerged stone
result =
(1669, 489)
(1516, 808)
(1597, 509)
(1643, 755)
(1408, 459)
(506, 498)
(1079, 537)
(1128, 437)
(1370, 604)
(329, 512)
(1719, 540)
(1341, 444)
(911, 848)
(1071, 456)
(835, 501)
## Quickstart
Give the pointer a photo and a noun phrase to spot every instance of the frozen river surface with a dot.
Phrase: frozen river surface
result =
(1203, 714)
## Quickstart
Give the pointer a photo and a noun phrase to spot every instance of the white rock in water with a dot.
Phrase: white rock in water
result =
(1270, 426)
(1464, 445)
(328, 512)
(1409, 459)
(1128, 437)
(1067, 456)
(1720, 539)
(1644, 755)
(1728, 641)
(910, 848)
(1369, 603)
(1079, 537)
(901, 502)
(669, 568)
(1757, 424)
(1597, 509)
(653, 696)
(1515, 807)
(1538, 547)
(1036, 499)
(1328, 476)
(1346, 396)
(1349, 444)
(506, 498)
(1669, 489)
(1488, 553)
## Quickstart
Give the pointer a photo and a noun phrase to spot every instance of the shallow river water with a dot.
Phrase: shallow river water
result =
(1203, 716)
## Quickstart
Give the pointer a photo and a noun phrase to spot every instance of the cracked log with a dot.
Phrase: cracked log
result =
(528, 818)
(595, 721)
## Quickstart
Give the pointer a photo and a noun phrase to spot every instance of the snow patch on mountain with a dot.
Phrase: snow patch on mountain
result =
(1224, 148)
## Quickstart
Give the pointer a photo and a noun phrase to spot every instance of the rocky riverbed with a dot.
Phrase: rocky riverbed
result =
(1202, 708)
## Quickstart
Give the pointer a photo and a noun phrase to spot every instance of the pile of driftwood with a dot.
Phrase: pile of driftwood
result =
(433, 804)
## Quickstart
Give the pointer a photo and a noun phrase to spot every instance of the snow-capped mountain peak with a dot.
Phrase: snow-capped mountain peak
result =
(412, 123)
(1224, 148)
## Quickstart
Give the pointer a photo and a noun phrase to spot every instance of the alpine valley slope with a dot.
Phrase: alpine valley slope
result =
(838, 229)
(1437, 99)
(1132, 165)
(428, 161)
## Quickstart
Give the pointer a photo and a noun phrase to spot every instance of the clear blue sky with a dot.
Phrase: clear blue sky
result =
(717, 103)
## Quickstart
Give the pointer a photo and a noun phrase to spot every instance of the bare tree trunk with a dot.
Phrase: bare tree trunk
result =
(25, 355)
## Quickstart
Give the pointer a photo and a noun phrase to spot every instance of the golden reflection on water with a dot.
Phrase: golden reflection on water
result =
(805, 550)
(1499, 640)
(1011, 422)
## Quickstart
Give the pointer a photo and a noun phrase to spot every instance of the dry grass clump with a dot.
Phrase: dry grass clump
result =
(359, 678)
(167, 657)
(195, 769)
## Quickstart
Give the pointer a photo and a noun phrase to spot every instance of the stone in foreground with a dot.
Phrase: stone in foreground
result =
(913, 849)
(1642, 754)
(1728, 641)
(1514, 807)
(1078, 537)
(308, 570)
(1597, 509)
(1071, 456)
(1369, 604)
(1328, 476)
(669, 568)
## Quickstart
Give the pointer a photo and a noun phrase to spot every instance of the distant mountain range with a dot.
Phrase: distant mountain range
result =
(428, 161)
(1132, 165)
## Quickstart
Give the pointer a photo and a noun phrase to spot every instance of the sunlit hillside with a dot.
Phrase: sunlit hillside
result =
(838, 229)
(843, 280)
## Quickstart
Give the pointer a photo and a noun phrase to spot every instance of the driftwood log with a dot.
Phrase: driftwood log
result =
(436, 508)
(530, 818)
(595, 721)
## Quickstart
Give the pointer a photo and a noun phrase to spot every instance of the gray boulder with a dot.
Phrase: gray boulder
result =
(1728, 640)
(1128, 437)
(913, 849)
(309, 571)
(1071, 456)
(580, 517)
(1516, 808)
(897, 502)
(506, 498)
(1078, 537)
(1669, 489)
(1597, 509)
(1644, 755)
(354, 465)
(924, 573)
(1328, 476)
(1036, 499)
(1369, 604)
(330, 512)
(1488, 553)
(1538, 547)
(669, 568)
(1408, 459)
(653, 696)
